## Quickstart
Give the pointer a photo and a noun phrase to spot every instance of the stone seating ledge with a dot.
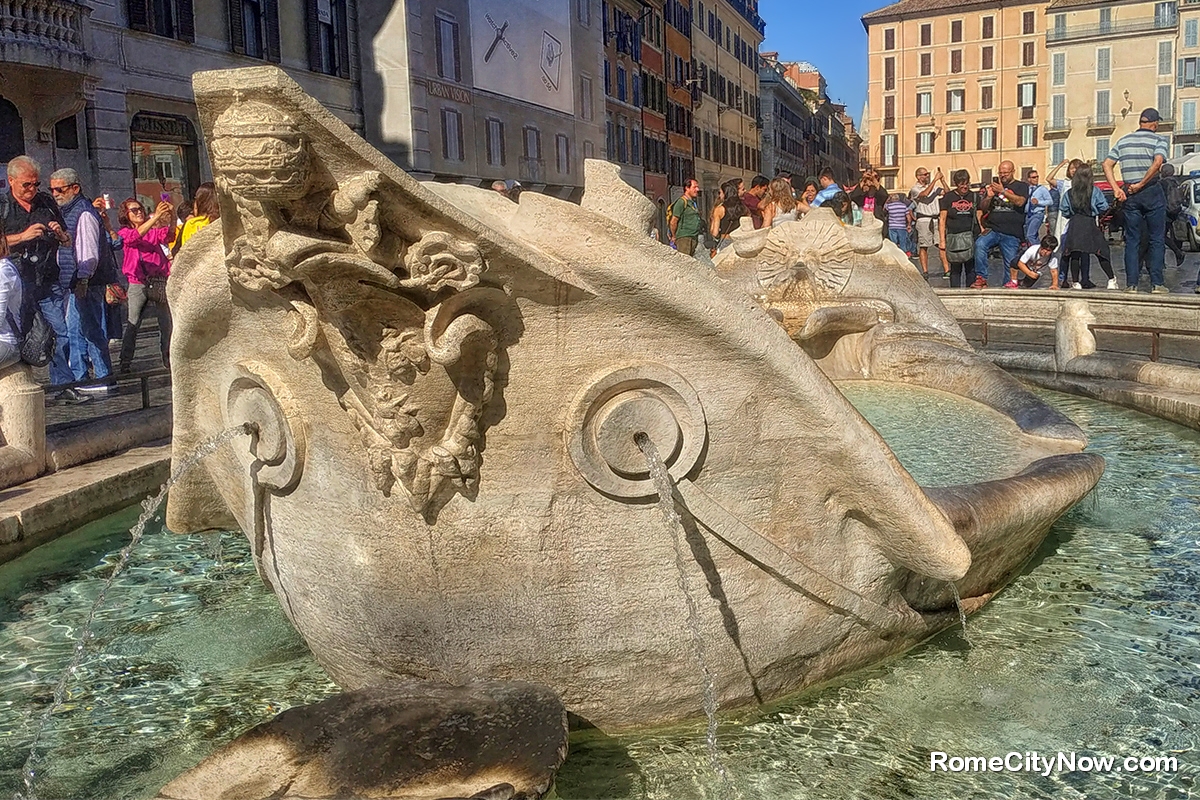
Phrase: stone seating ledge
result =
(44, 508)
(1168, 391)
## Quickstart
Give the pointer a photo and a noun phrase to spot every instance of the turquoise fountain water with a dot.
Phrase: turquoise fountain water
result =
(1091, 650)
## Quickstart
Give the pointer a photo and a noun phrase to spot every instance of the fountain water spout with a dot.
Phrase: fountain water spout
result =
(666, 505)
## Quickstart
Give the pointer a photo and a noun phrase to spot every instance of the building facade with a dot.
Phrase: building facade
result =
(448, 96)
(677, 60)
(1109, 60)
(108, 91)
(789, 125)
(957, 84)
(803, 132)
(654, 114)
(726, 136)
(623, 88)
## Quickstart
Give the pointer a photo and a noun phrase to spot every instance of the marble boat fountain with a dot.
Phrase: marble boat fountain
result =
(446, 387)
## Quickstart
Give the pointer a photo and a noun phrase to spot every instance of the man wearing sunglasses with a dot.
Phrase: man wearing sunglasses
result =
(35, 229)
(85, 270)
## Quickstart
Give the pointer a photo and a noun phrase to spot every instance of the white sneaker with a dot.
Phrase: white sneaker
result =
(1112, 283)
(1076, 286)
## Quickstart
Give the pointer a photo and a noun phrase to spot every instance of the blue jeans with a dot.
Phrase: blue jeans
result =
(1033, 224)
(54, 308)
(89, 341)
(901, 238)
(1009, 250)
(1146, 215)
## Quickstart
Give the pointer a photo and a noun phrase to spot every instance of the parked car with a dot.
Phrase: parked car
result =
(1187, 227)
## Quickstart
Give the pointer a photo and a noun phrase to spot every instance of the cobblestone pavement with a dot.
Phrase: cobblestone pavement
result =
(1180, 278)
(128, 394)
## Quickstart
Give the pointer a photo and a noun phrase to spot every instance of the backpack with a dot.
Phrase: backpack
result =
(36, 336)
(1176, 199)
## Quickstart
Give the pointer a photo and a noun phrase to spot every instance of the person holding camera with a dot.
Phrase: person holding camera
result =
(1001, 220)
(37, 231)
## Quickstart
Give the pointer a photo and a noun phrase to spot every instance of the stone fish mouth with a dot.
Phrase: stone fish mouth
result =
(512, 533)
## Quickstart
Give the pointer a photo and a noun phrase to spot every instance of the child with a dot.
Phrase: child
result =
(1026, 270)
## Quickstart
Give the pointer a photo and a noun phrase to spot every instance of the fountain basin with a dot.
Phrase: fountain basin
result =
(193, 650)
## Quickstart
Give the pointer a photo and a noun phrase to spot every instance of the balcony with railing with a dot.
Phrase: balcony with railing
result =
(1056, 129)
(44, 33)
(1161, 22)
(749, 14)
(1101, 123)
(533, 170)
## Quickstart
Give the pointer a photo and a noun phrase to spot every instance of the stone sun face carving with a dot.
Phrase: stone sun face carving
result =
(383, 311)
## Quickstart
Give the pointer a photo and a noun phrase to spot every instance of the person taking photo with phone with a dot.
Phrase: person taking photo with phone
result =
(1001, 220)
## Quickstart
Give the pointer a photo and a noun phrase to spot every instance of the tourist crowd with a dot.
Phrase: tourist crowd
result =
(1034, 227)
(91, 269)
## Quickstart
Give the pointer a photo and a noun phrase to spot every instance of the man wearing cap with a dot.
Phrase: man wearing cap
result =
(1141, 155)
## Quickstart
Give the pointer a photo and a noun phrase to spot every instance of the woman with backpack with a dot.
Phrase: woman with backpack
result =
(1082, 205)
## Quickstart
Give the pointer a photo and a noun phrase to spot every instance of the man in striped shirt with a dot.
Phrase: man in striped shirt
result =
(1141, 155)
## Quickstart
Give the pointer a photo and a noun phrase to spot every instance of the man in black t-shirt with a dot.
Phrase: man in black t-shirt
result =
(34, 227)
(1001, 220)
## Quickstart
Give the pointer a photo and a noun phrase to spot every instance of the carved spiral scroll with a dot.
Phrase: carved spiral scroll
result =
(619, 403)
(275, 454)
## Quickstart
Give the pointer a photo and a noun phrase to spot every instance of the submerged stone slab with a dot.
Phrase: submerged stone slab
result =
(411, 740)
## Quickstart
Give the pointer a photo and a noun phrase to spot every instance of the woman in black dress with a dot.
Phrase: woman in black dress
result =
(1082, 205)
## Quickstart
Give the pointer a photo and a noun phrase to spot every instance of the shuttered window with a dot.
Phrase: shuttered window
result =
(449, 64)
(1166, 55)
(452, 136)
(1166, 106)
(1058, 110)
(328, 38)
(254, 28)
(174, 19)
(1104, 64)
(1059, 69)
(495, 142)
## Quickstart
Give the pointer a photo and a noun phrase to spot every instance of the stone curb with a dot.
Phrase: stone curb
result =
(43, 509)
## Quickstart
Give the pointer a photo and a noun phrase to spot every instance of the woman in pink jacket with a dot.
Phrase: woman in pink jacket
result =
(146, 267)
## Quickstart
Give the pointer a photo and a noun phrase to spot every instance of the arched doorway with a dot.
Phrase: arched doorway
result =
(12, 132)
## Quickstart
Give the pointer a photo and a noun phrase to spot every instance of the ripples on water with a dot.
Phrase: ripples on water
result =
(1094, 649)
(190, 650)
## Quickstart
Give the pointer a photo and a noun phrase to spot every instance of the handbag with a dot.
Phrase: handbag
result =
(156, 290)
(960, 247)
(115, 294)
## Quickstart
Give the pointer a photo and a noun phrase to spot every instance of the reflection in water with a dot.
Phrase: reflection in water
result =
(1092, 650)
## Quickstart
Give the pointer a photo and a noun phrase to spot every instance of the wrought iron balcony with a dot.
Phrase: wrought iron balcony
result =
(533, 170)
(1056, 129)
(44, 33)
(1073, 32)
(1101, 123)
